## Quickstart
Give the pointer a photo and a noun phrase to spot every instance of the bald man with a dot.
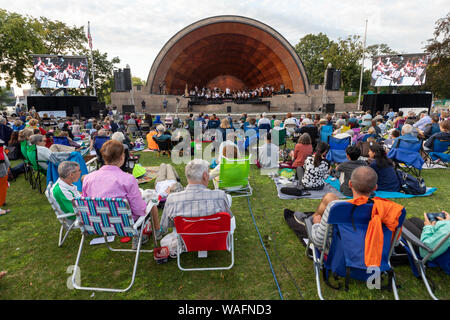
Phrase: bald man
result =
(363, 182)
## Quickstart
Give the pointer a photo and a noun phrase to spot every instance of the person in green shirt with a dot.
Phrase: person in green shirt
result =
(64, 190)
(430, 233)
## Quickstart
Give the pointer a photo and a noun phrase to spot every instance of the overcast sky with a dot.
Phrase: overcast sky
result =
(136, 30)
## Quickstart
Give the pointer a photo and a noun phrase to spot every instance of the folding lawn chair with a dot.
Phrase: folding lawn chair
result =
(68, 220)
(27, 164)
(164, 146)
(109, 217)
(345, 257)
(337, 152)
(419, 264)
(99, 141)
(438, 156)
(408, 153)
(233, 178)
(203, 234)
(39, 174)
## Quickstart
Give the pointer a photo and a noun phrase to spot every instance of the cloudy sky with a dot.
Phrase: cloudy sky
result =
(136, 30)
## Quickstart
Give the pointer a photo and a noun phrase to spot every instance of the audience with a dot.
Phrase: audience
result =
(4, 166)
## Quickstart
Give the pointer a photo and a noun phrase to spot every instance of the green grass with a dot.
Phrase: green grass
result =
(37, 268)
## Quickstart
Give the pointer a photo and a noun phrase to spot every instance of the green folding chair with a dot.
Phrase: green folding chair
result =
(233, 178)
(39, 174)
(279, 137)
(27, 163)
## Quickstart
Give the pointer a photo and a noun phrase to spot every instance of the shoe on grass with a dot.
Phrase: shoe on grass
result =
(136, 241)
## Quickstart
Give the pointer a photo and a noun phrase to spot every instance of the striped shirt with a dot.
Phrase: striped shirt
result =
(318, 230)
(195, 201)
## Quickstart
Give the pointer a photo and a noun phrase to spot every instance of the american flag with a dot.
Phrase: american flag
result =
(89, 35)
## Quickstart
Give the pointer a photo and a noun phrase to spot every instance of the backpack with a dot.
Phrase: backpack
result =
(410, 184)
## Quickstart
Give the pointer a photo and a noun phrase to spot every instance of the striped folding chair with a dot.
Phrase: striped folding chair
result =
(109, 217)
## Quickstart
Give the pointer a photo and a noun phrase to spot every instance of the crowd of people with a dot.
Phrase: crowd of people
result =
(366, 170)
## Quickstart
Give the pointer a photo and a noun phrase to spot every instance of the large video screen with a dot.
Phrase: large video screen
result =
(399, 70)
(56, 72)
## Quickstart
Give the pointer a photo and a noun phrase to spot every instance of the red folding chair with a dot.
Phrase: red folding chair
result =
(203, 234)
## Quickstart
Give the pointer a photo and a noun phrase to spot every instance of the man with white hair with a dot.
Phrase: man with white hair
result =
(407, 135)
(64, 190)
(196, 200)
(263, 120)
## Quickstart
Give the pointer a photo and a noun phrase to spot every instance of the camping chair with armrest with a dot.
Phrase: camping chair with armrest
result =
(99, 141)
(325, 132)
(203, 234)
(419, 264)
(438, 155)
(109, 217)
(68, 220)
(408, 154)
(337, 152)
(346, 232)
(290, 128)
(233, 177)
(38, 174)
(164, 146)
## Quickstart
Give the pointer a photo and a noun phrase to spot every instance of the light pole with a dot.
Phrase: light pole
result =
(362, 69)
(324, 96)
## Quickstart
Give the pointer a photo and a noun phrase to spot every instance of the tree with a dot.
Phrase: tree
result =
(5, 98)
(310, 49)
(379, 50)
(345, 55)
(137, 81)
(439, 65)
(21, 36)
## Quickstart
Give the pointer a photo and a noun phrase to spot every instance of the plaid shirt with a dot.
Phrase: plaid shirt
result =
(195, 201)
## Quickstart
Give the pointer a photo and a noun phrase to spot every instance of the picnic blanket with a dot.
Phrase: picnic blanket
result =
(385, 194)
(281, 182)
(151, 174)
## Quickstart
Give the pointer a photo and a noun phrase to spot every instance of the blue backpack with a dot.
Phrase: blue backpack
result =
(410, 184)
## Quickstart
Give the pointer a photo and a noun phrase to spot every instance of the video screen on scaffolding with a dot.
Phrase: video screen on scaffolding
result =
(54, 72)
(399, 70)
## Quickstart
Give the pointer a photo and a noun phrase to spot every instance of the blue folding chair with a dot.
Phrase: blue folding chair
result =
(265, 126)
(346, 233)
(408, 153)
(99, 141)
(61, 140)
(438, 156)
(337, 152)
(325, 132)
(419, 264)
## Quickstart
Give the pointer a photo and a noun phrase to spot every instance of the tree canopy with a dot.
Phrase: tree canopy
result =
(21, 36)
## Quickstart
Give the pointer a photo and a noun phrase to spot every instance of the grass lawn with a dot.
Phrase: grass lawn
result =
(38, 269)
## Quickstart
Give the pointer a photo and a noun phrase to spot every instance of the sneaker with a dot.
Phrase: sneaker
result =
(159, 234)
(145, 239)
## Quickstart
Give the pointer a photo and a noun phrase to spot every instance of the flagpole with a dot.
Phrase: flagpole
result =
(92, 58)
(362, 69)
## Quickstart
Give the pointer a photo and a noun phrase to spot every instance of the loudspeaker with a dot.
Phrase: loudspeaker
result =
(119, 81)
(336, 80)
(329, 82)
(330, 107)
(128, 108)
(127, 77)
(228, 109)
